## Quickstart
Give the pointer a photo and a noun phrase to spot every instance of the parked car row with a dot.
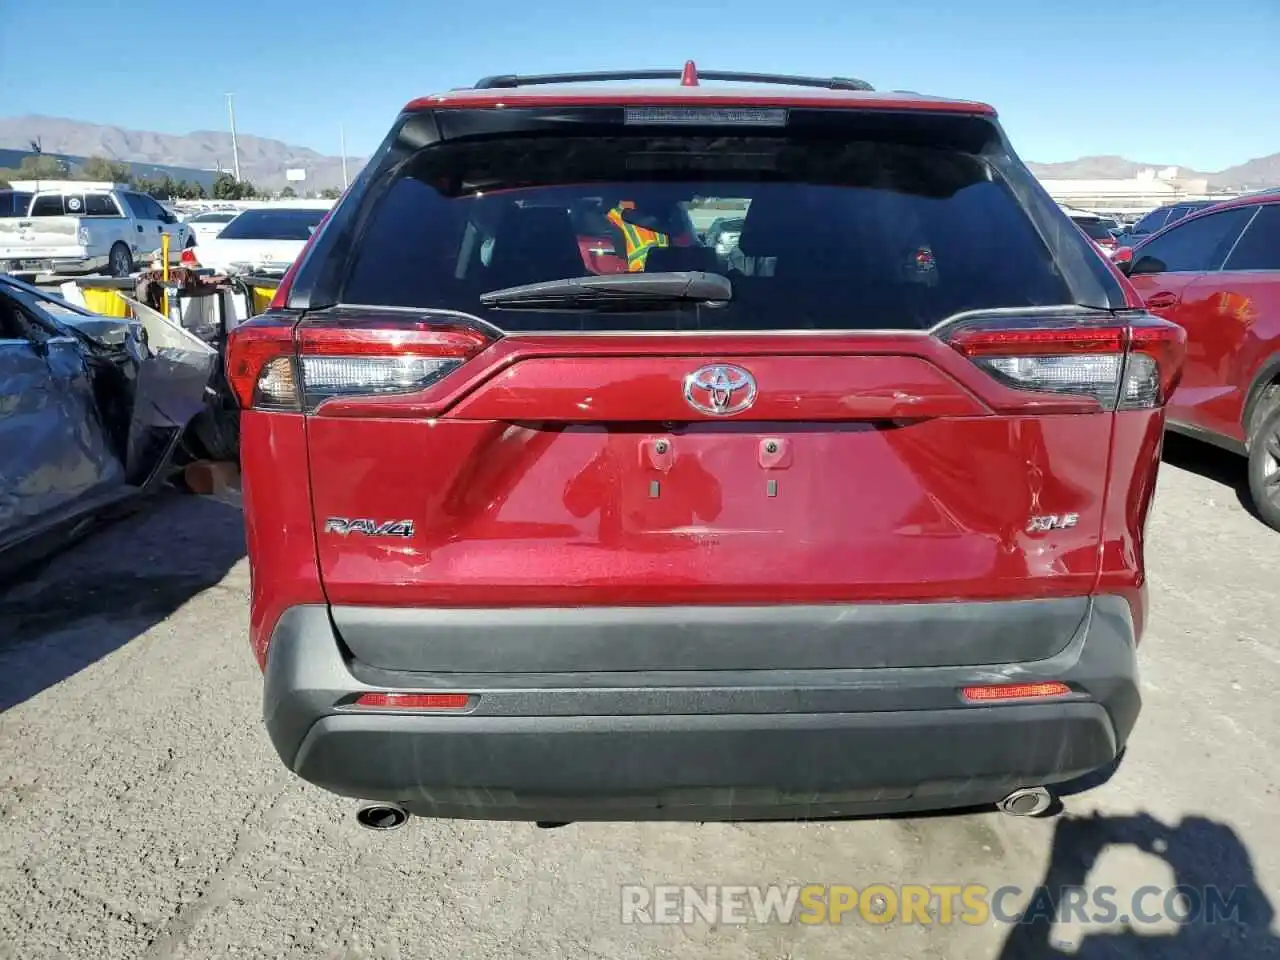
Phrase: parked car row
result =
(263, 240)
(1159, 218)
(1103, 231)
(74, 228)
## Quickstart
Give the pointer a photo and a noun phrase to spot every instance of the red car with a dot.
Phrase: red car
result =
(1096, 229)
(1216, 273)
(847, 518)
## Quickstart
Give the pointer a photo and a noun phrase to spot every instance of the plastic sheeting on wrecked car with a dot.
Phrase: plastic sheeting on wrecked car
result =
(91, 407)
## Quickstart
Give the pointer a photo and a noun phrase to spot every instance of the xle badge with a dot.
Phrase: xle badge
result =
(369, 528)
(1054, 521)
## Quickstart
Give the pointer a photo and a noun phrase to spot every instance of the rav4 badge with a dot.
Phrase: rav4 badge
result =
(369, 528)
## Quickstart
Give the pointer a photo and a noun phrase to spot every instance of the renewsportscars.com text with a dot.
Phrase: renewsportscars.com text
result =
(925, 904)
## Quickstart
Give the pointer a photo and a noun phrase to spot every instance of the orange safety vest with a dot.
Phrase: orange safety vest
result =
(640, 240)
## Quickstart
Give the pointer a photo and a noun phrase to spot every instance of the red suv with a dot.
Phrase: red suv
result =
(1217, 275)
(850, 521)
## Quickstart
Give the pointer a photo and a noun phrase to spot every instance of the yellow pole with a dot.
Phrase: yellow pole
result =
(164, 270)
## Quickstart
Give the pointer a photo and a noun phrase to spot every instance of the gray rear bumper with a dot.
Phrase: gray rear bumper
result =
(53, 266)
(697, 743)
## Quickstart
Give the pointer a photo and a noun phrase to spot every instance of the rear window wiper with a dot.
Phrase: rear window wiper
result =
(625, 290)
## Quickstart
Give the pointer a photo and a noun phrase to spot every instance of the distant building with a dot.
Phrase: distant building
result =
(12, 159)
(1149, 189)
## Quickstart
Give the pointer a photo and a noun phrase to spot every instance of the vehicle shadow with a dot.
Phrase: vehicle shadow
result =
(82, 604)
(1212, 463)
(1225, 913)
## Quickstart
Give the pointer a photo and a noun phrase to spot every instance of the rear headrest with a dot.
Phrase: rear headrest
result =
(536, 244)
(771, 228)
(534, 222)
(676, 259)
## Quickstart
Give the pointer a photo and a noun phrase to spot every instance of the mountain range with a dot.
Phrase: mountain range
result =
(263, 161)
(1254, 174)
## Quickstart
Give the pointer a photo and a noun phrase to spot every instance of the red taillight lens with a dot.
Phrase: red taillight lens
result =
(414, 701)
(995, 693)
(189, 258)
(1121, 365)
(260, 353)
(1163, 346)
(272, 366)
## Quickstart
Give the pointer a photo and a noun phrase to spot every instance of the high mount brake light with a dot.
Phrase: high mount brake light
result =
(706, 116)
(275, 366)
(1124, 364)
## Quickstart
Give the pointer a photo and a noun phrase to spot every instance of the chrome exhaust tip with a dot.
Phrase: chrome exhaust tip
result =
(1026, 802)
(382, 816)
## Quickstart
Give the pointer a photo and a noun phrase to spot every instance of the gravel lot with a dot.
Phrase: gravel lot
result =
(143, 813)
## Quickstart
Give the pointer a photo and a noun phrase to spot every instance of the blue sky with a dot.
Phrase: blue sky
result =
(1189, 82)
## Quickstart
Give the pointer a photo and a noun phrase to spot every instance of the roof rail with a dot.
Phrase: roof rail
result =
(511, 80)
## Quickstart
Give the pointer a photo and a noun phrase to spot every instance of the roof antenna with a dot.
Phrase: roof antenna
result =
(689, 77)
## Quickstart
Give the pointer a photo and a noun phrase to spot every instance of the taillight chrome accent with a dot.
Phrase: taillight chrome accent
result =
(280, 366)
(1130, 361)
(364, 359)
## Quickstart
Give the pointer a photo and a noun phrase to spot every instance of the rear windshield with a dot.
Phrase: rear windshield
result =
(1095, 229)
(1152, 222)
(818, 233)
(273, 225)
(14, 204)
(74, 205)
(212, 218)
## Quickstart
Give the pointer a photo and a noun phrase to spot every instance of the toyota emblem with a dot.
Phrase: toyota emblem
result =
(720, 389)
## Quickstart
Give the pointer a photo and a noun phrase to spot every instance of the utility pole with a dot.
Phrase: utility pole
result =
(235, 151)
(342, 134)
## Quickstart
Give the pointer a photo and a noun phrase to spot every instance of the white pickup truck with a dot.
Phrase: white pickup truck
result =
(80, 228)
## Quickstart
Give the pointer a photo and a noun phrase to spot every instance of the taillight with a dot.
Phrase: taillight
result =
(189, 258)
(362, 360)
(260, 364)
(274, 365)
(1125, 364)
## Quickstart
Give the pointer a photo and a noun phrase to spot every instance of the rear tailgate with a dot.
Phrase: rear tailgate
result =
(33, 237)
(899, 404)
(864, 470)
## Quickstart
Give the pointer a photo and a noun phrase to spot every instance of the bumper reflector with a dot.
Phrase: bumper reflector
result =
(415, 701)
(1014, 691)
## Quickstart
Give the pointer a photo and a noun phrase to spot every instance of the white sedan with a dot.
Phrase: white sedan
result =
(205, 226)
(263, 241)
